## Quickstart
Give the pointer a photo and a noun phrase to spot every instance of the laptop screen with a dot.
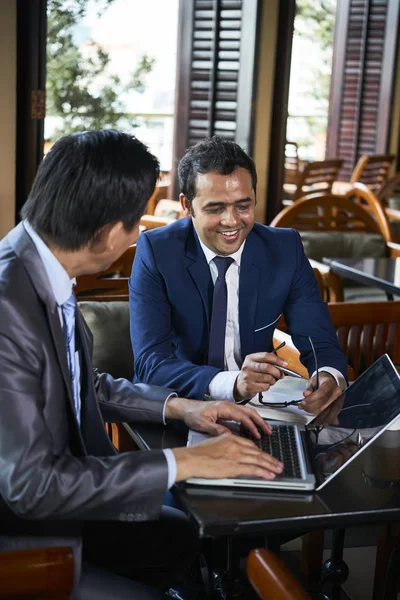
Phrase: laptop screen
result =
(366, 408)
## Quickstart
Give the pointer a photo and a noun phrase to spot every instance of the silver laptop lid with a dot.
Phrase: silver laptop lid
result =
(354, 420)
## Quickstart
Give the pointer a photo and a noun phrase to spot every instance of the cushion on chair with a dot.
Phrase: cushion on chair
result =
(362, 293)
(109, 324)
(394, 203)
(342, 244)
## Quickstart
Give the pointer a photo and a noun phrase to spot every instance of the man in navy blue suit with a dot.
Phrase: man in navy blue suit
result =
(175, 277)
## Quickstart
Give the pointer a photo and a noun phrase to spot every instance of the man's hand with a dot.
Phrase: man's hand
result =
(225, 456)
(257, 374)
(205, 416)
(315, 401)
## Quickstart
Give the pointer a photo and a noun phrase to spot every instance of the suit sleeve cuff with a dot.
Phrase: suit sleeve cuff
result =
(172, 469)
(337, 375)
(172, 395)
(222, 384)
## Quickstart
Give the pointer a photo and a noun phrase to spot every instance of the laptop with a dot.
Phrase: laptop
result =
(315, 453)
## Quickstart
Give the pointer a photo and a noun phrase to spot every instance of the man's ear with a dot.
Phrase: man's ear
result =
(185, 205)
(106, 237)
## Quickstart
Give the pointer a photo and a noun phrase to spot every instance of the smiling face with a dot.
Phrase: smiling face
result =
(222, 210)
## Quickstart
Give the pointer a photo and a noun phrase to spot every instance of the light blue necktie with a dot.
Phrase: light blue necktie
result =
(69, 309)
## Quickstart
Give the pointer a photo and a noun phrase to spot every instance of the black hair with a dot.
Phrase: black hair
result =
(216, 154)
(89, 180)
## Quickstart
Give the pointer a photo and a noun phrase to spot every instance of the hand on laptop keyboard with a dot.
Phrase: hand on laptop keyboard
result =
(225, 456)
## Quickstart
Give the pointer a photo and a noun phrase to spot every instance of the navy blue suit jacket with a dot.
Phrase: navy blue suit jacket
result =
(171, 301)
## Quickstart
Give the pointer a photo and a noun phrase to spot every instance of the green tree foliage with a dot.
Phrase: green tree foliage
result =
(315, 20)
(80, 87)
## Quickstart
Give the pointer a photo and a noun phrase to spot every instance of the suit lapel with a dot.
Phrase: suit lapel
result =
(26, 251)
(199, 271)
(249, 282)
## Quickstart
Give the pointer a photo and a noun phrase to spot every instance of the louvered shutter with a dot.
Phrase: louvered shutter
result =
(362, 79)
(216, 53)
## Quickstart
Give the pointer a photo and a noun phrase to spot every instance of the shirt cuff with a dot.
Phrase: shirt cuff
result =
(172, 469)
(172, 395)
(337, 375)
(222, 384)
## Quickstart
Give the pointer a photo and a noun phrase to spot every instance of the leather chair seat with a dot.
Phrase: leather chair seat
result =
(109, 323)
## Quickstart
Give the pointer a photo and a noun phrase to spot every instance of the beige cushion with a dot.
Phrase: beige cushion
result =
(342, 244)
(394, 203)
(109, 323)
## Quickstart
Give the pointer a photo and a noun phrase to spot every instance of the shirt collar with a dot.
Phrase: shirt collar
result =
(210, 255)
(59, 280)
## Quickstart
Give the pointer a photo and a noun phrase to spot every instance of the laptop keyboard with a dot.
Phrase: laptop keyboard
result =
(281, 444)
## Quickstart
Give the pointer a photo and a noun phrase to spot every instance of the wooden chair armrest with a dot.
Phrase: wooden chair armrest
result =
(393, 214)
(151, 221)
(37, 573)
(289, 352)
(270, 577)
(332, 289)
(393, 249)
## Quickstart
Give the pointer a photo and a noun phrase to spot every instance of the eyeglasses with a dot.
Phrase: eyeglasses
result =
(291, 402)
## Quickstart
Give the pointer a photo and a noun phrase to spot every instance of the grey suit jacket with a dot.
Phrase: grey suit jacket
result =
(50, 468)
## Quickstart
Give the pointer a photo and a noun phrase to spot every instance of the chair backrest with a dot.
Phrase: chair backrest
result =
(270, 577)
(366, 330)
(326, 212)
(160, 191)
(372, 170)
(389, 189)
(37, 573)
(366, 198)
(112, 282)
(152, 221)
(109, 324)
(317, 176)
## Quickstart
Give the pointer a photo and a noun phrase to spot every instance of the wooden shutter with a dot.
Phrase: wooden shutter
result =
(215, 76)
(31, 78)
(362, 79)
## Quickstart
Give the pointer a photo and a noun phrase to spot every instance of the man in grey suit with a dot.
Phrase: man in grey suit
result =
(56, 460)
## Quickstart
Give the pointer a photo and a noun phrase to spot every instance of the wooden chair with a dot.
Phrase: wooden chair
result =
(389, 189)
(372, 169)
(326, 212)
(366, 198)
(37, 573)
(153, 221)
(366, 330)
(111, 284)
(330, 284)
(270, 577)
(317, 176)
(160, 191)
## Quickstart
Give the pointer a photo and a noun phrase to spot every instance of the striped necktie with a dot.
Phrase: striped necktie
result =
(69, 310)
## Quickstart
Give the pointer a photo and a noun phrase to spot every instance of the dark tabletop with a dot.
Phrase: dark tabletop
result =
(367, 491)
(383, 273)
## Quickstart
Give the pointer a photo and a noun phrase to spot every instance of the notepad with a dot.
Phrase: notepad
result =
(286, 389)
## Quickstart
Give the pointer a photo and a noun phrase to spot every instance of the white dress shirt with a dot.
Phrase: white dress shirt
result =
(61, 286)
(222, 384)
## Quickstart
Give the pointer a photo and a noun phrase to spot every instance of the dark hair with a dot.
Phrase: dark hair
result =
(212, 154)
(89, 180)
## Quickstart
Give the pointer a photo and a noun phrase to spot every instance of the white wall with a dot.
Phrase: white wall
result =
(8, 75)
